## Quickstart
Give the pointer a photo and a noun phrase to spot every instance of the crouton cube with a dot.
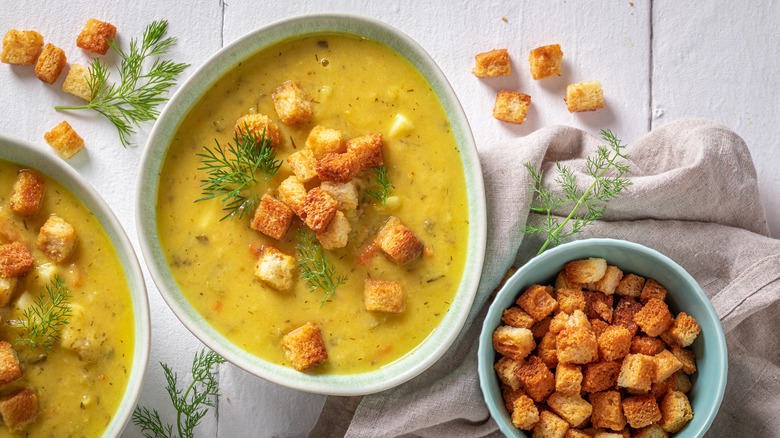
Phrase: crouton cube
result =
(536, 379)
(578, 319)
(510, 395)
(57, 238)
(641, 410)
(666, 364)
(28, 193)
(586, 271)
(541, 328)
(336, 235)
(291, 103)
(609, 282)
(77, 82)
(562, 282)
(585, 96)
(304, 347)
(7, 289)
(506, 369)
(614, 343)
(598, 326)
(303, 165)
(19, 410)
(319, 209)
(64, 139)
(636, 373)
(368, 150)
(276, 269)
(398, 242)
(652, 289)
(383, 296)
(537, 302)
(682, 382)
(10, 367)
(293, 193)
(568, 379)
(652, 431)
(558, 322)
(50, 63)
(630, 286)
(624, 314)
(511, 106)
(576, 433)
(550, 426)
(272, 217)
(259, 126)
(607, 410)
(513, 342)
(15, 260)
(654, 318)
(95, 35)
(525, 415)
(684, 330)
(620, 434)
(570, 300)
(338, 167)
(322, 141)
(598, 305)
(516, 317)
(492, 63)
(577, 345)
(600, 376)
(346, 194)
(686, 357)
(571, 408)
(548, 350)
(21, 47)
(646, 345)
(545, 61)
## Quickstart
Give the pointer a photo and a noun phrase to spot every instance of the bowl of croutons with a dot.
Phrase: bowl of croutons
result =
(602, 337)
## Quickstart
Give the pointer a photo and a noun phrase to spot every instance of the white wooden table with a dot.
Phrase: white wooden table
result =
(657, 61)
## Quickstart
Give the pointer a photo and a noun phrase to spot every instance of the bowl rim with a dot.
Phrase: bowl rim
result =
(486, 354)
(28, 154)
(215, 67)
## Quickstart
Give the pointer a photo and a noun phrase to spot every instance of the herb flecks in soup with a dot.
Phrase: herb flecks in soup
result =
(393, 248)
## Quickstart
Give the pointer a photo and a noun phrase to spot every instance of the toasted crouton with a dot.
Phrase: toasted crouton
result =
(50, 63)
(686, 357)
(652, 289)
(28, 193)
(336, 235)
(558, 322)
(303, 165)
(570, 300)
(511, 106)
(541, 328)
(600, 376)
(598, 326)
(571, 408)
(654, 318)
(641, 410)
(506, 369)
(568, 379)
(304, 347)
(338, 167)
(64, 139)
(684, 330)
(322, 141)
(607, 410)
(646, 345)
(682, 382)
(636, 373)
(624, 314)
(609, 282)
(276, 269)
(537, 302)
(319, 209)
(545, 61)
(57, 238)
(293, 193)
(548, 350)
(367, 150)
(7, 289)
(577, 345)
(492, 63)
(346, 194)
(19, 410)
(516, 317)
(398, 242)
(291, 103)
(536, 379)
(272, 217)
(550, 426)
(258, 125)
(666, 364)
(10, 368)
(578, 319)
(585, 96)
(21, 47)
(652, 431)
(630, 286)
(598, 305)
(383, 296)
(614, 343)
(95, 35)
(77, 82)
(509, 396)
(15, 260)
(562, 282)
(586, 271)
(525, 414)
(576, 433)
(513, 342)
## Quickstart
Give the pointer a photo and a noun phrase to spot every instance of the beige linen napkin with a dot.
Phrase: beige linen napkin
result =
(693, 197)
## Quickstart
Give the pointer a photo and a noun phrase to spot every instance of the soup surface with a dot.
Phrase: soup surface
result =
(80, 383)
(357, 86)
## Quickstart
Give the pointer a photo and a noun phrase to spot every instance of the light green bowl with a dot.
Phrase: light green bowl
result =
(709, 382)
(28, 155)
(191, 92)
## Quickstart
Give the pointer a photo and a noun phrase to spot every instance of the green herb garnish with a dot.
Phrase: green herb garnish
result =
(318, 272)
(231, 170)
(191, 405)
(41, 324)
(134, 99)
(607, 173)
(384, 183)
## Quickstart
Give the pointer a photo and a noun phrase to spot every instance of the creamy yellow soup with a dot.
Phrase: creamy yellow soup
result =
(357, 86)
(80, 383)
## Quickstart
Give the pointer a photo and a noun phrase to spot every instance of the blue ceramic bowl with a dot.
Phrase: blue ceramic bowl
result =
(709, 382)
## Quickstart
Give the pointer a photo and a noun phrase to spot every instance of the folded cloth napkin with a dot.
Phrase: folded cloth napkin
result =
(693, 197)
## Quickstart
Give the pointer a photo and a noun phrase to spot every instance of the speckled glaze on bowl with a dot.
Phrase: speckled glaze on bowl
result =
(29, 155)
(433, 347)
(709, 382)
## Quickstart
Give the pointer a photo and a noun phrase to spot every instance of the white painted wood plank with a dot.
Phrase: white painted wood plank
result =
(719, 60)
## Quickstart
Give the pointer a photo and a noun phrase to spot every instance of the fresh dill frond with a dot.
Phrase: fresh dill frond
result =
(41, 324)
(318, 272)
(191, 404)
(231, 171)
(607, 170)
(384, 183)
(135, 97)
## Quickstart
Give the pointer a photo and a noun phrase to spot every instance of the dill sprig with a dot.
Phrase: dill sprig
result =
(607, 172)
(41, 324)
(134, 99)
(318, 272)
(191, 404)
(384, 183)
(231, 170)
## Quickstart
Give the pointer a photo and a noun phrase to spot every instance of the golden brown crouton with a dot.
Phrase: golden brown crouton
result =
(338, 167)
(571, 408)
(21, 47)
(95, 35)
(319, 209)
(50, 63)
(598, 305)
(346, 194)
(620, 434)
(511, 106)
(272, 217)
(586, 271)
(516, 317)
(10, 368)
(666, 364)
(77, 82)
(29, 188)
(686, 357)
(257, 125)
(291, 103)
(303, 165)
(636, 373)
(684, 330)
(609, 282)
(652, 289)
(510, 395)
(398, 242)
(537, 302)
(7, 289)
(492, 63)
(568, 379)
(545, 61)
(654, 318)
(558, 322)
(276, 269)
(525, 415)
(506, 369)
(383, 296)
(562, 282)
(682, 382)
(651, 431)
(304, 347)
(15, 260)
(630, 286)
(541, 328)
(646, 345)
(550, 426)
(600, 376)
(585, 96)
(64, 139)
(607, 410)
(577, 345)
(536, 379)
(614, 343)
(548, 351)
(322, 141)
(57, 238)
(578, 319)
(641, 410)
(336, 235)
(293, 193)
(513, 342)
(624, 314)
(570, 300)
(19, 410)
(576, 433)
(598, 326)
(367, 150)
